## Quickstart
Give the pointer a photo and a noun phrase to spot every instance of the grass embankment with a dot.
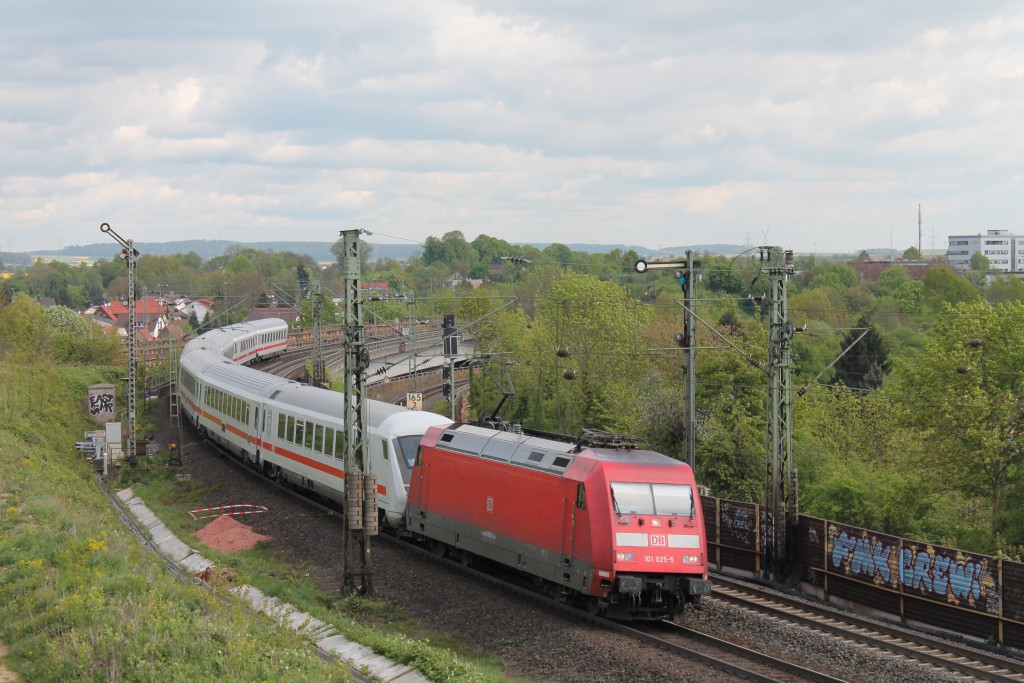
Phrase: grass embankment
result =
(82, 599)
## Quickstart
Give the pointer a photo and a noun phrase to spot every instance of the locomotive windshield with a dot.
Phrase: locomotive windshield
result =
(652, 499)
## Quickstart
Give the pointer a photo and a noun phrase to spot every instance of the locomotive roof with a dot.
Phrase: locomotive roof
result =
(509, 447)
(635, 457)
(538, 453)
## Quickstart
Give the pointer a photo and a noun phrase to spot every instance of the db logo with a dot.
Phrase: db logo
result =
(490, 504)
(659, 540)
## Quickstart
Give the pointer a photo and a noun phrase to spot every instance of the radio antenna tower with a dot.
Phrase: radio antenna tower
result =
(919, 228)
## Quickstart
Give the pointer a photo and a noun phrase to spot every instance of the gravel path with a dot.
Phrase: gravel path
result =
(534, 644)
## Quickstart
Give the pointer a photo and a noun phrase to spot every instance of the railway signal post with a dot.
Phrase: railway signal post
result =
(684, 275)
(450, 340)
(129, 253)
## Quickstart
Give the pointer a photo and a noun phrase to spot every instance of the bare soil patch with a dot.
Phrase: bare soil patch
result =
(227, 535)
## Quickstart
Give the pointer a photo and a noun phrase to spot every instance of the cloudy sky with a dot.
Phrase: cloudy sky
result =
(817, 126)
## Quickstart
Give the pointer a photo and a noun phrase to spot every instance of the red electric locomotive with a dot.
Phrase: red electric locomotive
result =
(596, 522)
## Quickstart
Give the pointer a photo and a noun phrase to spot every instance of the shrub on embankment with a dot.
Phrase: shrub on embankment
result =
(81, 598)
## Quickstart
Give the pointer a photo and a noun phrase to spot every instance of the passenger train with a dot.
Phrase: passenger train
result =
(593, 521)
(291, 431)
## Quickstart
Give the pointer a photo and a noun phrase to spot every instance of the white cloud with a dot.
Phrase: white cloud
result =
(522, 120)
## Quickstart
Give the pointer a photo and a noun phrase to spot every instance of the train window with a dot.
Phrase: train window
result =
(307, 440)
(674, 499)
(581, 496)
(318, 439)
(339, 445)
(406, 447)
(384, 448)
(632, 498)
(290, 430)
(329, 441)
(300, 431)
(280, 425)
(419, 456)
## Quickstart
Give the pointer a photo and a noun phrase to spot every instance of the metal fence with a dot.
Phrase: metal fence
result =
(918, 583)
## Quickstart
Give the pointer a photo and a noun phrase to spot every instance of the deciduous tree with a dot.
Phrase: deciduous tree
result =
(967, 391)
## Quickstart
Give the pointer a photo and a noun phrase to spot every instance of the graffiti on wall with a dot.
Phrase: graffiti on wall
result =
(101, 404)
(739, 523)
(937, 573)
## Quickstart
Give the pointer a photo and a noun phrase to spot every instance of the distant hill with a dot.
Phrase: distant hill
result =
(321, 251)
(208, 249)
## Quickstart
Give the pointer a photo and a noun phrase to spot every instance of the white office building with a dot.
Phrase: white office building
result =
(1005, 252)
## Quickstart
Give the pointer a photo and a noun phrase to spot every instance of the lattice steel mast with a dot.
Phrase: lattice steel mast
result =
(360, 485)
(319, 360)
(780, 483)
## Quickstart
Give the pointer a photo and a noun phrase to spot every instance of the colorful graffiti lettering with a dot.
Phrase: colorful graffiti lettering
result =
(959, 578)
(861, 556)
(941, 574)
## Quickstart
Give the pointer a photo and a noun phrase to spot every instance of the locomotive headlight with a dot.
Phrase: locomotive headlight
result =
(691, 559)
(624, 557)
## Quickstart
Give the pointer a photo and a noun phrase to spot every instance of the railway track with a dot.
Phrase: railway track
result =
(940, 653)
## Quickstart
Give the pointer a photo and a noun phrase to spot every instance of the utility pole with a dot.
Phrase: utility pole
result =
(686, 280)
(129, 254)
(780, 483)
(360, 485)
(919, 226)
(685, 271)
